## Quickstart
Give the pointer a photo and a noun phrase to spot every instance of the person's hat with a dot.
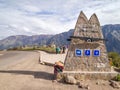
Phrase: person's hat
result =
(59, 63)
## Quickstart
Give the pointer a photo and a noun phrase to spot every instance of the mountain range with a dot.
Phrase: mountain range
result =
(110, 32)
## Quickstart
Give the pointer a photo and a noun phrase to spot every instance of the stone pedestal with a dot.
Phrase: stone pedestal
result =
(82, 75)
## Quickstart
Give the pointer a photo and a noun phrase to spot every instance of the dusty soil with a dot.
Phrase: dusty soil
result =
(30, 75)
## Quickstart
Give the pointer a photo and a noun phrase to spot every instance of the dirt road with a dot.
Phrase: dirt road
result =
(8, 58)
(28, 74)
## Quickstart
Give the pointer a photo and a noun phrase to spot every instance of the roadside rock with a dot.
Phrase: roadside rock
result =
(70, 80)
(83, 85)
(42, 63)
(101, 82)
(115, 84)
(54, 81)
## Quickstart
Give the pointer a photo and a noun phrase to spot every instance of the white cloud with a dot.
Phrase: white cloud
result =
(31, 17)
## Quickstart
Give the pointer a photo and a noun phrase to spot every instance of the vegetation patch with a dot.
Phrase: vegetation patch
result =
(114, 59)
(117, 78)
(47, 49)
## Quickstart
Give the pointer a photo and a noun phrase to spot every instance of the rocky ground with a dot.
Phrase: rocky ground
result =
(29, 74)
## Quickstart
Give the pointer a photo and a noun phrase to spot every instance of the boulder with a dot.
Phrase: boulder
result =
(115, 84)
(54, 81)
(70, 80)
(42, 63)
(101, 82)
(83, 85)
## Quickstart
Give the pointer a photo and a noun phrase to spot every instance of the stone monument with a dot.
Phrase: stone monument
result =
(87, 53)
(86, 42)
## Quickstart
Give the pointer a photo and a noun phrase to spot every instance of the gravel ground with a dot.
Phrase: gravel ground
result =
(30, 75)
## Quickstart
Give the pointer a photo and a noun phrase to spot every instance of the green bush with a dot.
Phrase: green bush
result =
(47, 49)
(115, 58)
(116, 62)
(113, 55)
(118, 77)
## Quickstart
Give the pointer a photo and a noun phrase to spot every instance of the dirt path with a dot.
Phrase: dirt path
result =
(8, 58)
(30, 75)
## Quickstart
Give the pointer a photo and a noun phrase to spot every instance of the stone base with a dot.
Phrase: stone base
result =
(85, 75)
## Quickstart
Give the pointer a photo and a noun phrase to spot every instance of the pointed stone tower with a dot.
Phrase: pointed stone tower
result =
(87, 51)
(87, 56)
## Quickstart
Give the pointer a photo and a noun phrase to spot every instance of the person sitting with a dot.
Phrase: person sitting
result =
(58, 67)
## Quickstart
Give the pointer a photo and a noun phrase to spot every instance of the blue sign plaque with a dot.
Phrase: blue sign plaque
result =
(78, 52)
(87, 52)
(96, 52)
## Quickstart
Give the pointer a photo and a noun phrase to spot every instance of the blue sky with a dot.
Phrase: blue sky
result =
(33, 17)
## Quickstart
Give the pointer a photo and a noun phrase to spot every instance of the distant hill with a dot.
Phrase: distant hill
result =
(61, 39)
(22, 40)
(110, 32)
